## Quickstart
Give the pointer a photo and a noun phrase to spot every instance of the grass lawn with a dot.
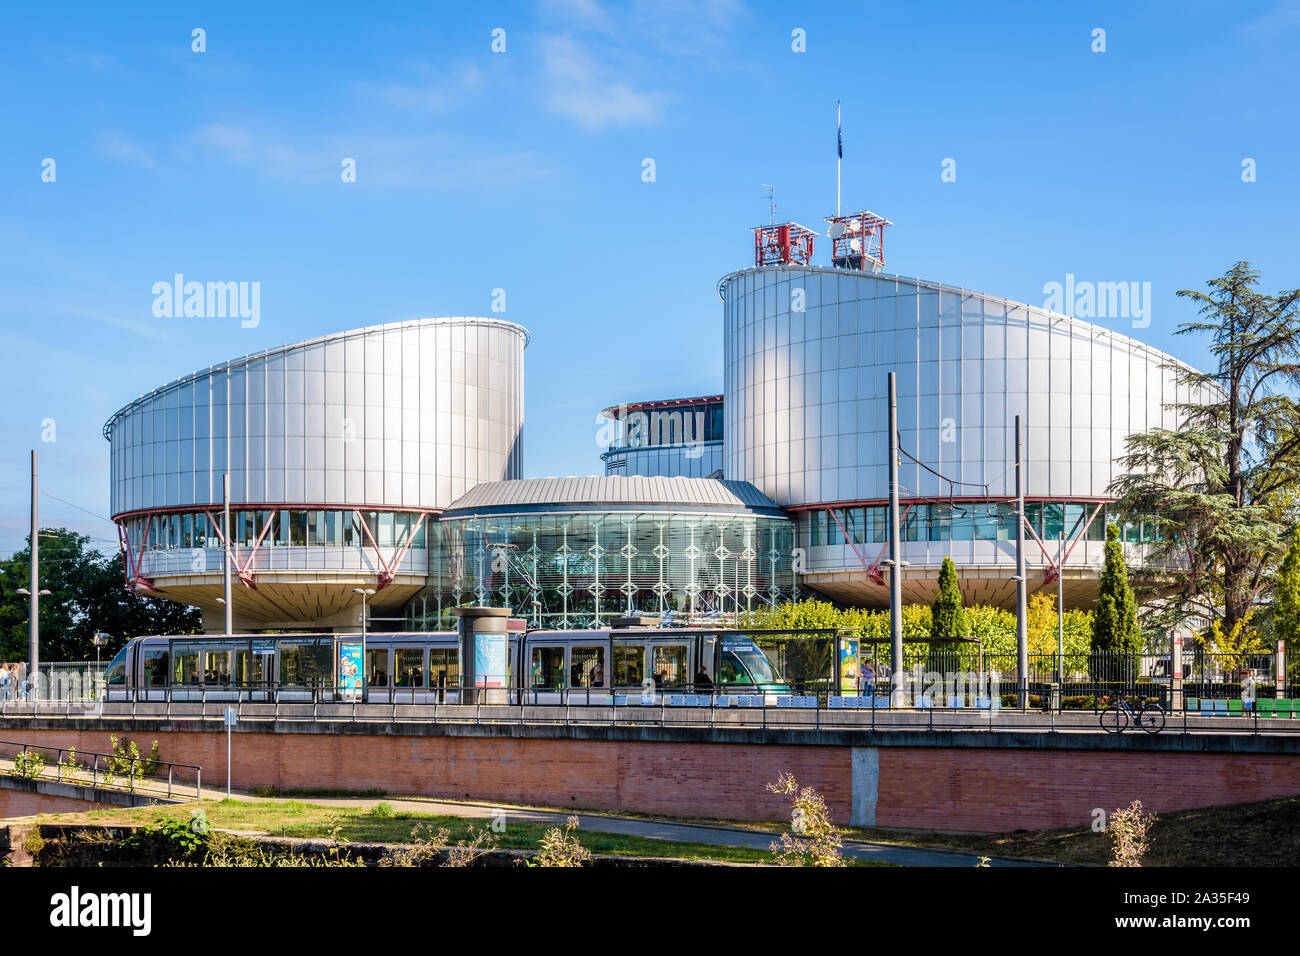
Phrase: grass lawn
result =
(1245, 834)
(358, 825)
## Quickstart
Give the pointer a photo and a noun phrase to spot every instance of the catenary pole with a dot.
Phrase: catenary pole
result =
(34, 615)
(225, 564)
(895, 551)
(1022, 628)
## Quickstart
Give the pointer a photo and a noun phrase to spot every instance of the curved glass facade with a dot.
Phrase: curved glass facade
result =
(806, 391)
(582, 569)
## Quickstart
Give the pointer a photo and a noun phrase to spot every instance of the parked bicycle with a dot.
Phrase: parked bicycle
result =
(1148, 715)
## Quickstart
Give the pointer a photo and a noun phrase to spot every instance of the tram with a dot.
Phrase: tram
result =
(545, 667)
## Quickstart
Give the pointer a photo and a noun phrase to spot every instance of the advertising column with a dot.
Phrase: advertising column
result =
(484, 654)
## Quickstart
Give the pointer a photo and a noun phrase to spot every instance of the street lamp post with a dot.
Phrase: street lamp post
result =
(365, 664)
(99, 639)
(33, 617)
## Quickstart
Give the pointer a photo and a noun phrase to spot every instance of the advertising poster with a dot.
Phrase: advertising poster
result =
(490, 660)
(849, 665)
(350, 670)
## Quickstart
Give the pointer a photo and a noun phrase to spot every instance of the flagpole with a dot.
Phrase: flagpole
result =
(839, 156)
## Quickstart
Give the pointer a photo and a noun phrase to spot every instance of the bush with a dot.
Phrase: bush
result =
(812, 840)
(561, 847)
(1129, 830)
(29, 764)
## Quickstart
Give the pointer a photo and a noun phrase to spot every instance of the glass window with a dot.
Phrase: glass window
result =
(216, 667)
(587, 667)
(185, 668)
(116, 671)
(732, 671)
(249, 668)
(547, 667)
(409, 666)
(629, 665)
(155, 667)
(444, 667)
(668, 664)
(377, 666)
(306, 662)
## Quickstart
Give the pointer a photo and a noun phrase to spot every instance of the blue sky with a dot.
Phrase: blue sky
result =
(522, 171)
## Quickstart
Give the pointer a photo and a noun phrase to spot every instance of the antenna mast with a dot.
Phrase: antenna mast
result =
(771, 202)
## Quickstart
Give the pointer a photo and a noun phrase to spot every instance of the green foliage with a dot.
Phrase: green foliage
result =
(87, 595)
(1222, 486)
(381, 809)
(992, 626)
(168, 839)
(946, 613)
(947, 619)
(1115, 626)
(1286, 617)
(127, 761)
(562, 847)
(29, 764)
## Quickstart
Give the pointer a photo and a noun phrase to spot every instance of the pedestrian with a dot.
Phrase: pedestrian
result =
(5, 678)
(867, 680)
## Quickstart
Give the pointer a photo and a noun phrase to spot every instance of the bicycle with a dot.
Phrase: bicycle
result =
(1150, 716)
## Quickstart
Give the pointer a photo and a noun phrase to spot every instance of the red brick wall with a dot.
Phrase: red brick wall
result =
(974, 789)
(1001, 790)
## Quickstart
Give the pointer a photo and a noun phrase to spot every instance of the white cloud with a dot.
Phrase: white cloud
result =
(116, 144)
(426, 161)
(589, 91)
(436, 95)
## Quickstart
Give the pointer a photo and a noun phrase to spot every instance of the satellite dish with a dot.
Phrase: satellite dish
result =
(836, 230)
(854, 225)
(855, 244)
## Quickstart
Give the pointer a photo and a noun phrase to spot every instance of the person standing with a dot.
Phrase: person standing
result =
(867, 680)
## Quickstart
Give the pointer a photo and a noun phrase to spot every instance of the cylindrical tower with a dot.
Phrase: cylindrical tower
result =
(807, 353)
(341, 451)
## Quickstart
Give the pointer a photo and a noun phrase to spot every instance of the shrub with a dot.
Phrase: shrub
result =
(1129, 831)
(562, 848)
(812, 840)
(29, 764)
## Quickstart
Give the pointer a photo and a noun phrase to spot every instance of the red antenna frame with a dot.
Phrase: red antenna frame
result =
(869, 231)
(783, 243)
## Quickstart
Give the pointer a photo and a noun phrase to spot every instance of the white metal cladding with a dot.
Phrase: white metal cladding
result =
(699, 461)
(806, 392)
(405, 415)
(601, 492)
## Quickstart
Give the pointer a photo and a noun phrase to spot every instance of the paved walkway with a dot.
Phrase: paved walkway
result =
(676, 832)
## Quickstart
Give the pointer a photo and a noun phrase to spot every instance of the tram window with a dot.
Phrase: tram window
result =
(116, 672)
(548, 667)
(444, 667)
(732, 671)
(410, 667)
(216, 667)
(248, 667)
(669, 664)
(155, 668)
(587, 667)
(629, 666)
(377, 667)
(301, 663)
(186, 668)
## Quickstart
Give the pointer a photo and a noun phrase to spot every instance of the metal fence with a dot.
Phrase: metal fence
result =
(58, 680)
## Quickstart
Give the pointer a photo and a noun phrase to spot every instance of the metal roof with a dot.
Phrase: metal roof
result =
(617, 492)
(268, 354)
